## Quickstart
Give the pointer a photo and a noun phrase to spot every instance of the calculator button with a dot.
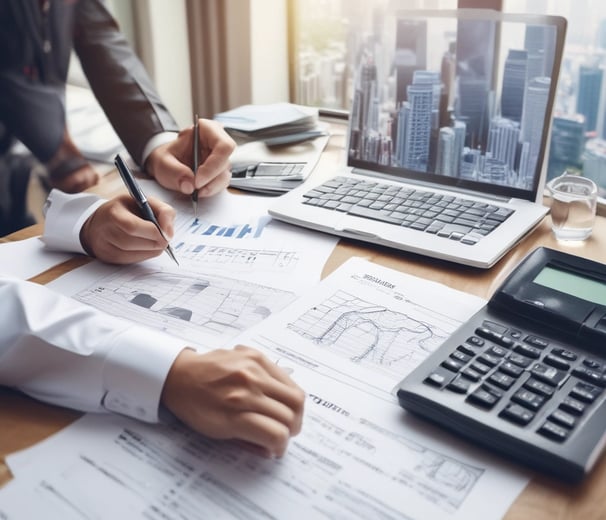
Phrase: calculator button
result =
(466, 350)
(457, 355)
(527, 350)
(540, 388)
(471, 374)
(475, 341)
(501, 380)
(452, 365)
(517, 414)
(481, 368)
(506, 342)
(556, 362)
(572, 406)
(519, 360)
(548, 374)
(563, 418)
(485, 396)
(585, 392)
(528, 399)
(515, 334)
(510, 369)
(553, 431)
(592, 363)
(565, 354)
(435, 379)
(458, 385)
(535, 341)
(497, 351)
(489, 360)
(591, 376)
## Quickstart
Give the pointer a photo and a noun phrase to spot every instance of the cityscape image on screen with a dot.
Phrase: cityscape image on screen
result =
(459, 98)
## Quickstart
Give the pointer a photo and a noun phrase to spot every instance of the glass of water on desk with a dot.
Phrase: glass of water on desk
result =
(573, 206)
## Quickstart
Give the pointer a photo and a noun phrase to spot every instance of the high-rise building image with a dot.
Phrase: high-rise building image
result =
(588, 97)
(533, 120)
(567, 144)
(410, 55)
(514, 84)
(475, 69)
(484, 122)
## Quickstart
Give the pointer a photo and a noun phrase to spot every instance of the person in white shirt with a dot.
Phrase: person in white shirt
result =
(69, 354)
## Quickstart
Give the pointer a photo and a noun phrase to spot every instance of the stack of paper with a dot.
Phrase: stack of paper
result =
(265, 121)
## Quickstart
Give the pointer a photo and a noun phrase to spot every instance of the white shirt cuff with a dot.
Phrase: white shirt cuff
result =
(65, 214)
(155, 141)
(135, 371)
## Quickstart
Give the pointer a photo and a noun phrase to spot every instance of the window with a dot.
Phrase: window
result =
(578, 140)
(327, 35)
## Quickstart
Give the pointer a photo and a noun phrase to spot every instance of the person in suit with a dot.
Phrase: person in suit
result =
(37, 38)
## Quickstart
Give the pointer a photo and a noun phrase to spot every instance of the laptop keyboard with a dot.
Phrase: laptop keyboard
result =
(448, 216)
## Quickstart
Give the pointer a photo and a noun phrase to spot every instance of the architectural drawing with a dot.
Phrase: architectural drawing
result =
(370, 334)
(188, 305)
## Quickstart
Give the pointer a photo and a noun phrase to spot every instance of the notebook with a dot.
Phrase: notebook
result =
(447, 136)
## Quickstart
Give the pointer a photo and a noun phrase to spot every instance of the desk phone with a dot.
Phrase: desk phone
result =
(526, 375)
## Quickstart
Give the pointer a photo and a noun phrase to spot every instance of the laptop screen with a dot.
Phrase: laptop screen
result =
(460, 98)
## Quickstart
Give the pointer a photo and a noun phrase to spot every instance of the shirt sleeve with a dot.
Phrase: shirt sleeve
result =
(60, 351)
(64, 216)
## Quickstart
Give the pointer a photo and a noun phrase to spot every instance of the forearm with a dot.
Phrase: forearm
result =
(66, 353)
(118, 79)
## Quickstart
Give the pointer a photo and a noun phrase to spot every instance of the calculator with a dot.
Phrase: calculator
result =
(526, 375)
(272, 178)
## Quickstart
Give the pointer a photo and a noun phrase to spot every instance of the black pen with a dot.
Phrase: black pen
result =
(194, 195)
(137, 194)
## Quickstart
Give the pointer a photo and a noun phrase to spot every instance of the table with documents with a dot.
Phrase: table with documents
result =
(26, 422)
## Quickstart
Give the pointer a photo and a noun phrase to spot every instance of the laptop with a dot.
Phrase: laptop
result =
(447, 136)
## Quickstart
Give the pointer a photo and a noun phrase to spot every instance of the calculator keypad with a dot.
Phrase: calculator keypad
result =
(523, 377)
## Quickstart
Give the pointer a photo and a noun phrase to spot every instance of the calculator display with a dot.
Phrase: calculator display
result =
(573, 284)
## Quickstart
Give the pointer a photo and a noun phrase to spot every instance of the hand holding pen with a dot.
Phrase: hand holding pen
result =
(171, 163)
(141, 200)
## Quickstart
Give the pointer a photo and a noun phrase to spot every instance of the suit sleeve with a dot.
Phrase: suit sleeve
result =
(118, 79)
(69, 354)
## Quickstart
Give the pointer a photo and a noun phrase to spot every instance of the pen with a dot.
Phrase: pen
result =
(137, 194)
(194, 195)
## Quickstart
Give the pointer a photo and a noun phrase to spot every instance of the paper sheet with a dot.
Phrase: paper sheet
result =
(39, 259)
(359, 454)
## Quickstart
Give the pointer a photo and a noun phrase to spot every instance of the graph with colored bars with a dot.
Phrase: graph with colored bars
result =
(236, 231)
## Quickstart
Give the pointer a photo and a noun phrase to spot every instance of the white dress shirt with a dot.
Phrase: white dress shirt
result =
(66, 353)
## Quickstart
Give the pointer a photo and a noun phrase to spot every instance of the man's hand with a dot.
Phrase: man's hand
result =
(171, 163)
(116, 234)
(235, 394)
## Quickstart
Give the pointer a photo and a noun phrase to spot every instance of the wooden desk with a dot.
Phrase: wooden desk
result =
(24, 421)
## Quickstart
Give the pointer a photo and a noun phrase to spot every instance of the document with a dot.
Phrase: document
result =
(39, 259)
(359, 455)
(237, 267)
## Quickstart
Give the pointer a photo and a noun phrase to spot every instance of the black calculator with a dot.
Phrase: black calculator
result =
(526, 375)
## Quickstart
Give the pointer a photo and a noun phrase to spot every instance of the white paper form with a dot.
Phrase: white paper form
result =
(357, 457)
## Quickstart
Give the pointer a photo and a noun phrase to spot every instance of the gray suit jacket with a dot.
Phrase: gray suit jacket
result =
(35, 46)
